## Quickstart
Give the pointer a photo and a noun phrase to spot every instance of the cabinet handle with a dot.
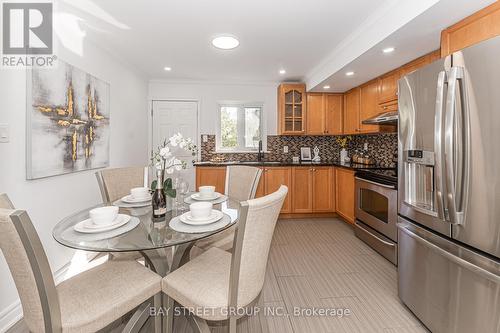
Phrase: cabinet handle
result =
(314, 170)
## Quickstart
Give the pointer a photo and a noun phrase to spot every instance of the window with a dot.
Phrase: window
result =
(240, 127)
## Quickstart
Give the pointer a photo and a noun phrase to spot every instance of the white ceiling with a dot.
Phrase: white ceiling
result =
(314, 40)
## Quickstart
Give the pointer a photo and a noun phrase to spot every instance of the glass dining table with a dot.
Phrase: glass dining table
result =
(152, 238)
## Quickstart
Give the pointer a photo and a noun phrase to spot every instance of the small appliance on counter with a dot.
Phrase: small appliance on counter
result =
(376, 210)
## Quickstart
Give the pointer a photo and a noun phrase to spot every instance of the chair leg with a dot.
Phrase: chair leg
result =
(168, 317)
(233, 322)
(138, 319)
(157, 302)
(198, 324)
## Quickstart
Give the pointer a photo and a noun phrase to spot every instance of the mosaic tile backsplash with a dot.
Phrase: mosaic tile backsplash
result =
(381, 147)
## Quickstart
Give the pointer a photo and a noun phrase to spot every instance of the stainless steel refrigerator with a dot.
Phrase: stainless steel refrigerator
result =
(449, 191)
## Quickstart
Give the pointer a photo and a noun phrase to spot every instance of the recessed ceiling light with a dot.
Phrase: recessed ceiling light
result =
(349, 73)
(225, 42)
(282, 71)
(326, 87)
(168, 69)
(388, 50)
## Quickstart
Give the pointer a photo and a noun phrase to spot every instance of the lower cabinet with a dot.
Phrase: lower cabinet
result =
(344, 196)
(313, 190)
(215, 176)
(274, 177)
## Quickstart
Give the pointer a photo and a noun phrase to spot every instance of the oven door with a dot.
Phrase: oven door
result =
(376, 206)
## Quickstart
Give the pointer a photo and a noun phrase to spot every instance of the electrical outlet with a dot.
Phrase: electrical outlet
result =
(204, 137)
(4, 133)
(365, 146)
(285, 149)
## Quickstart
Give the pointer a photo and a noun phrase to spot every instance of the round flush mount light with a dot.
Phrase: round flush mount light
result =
(168, 69)
(326, 87)
(225, 42)
(349, 73)
(388, 50)
(282, 71)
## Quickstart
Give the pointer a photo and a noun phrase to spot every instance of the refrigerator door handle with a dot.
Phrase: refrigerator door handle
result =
(455, 150)
(438, 146)
(453, 258)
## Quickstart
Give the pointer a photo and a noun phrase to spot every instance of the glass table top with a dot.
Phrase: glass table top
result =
(147, 235)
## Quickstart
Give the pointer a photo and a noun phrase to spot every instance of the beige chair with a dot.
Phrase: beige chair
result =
(217, 281)
(116, 183)
(87, 302)
(241, 185)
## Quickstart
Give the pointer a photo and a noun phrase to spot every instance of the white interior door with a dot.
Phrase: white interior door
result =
(170, 117)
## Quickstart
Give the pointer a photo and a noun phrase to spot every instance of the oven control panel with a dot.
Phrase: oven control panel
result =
(419, 157)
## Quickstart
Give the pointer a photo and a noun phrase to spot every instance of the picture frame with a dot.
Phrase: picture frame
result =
(305, 154)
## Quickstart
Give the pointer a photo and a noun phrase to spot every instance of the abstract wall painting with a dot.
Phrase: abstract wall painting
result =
(68, 119)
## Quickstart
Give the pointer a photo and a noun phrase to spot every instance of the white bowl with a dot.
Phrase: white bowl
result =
(103, 215)
(200, 210)
(139, 192)
(207, 191)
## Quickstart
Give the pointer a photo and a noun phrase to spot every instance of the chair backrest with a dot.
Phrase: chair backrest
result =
(30, 270)
(242, 182)
(116, 183)
(5, 202)
(251, 246)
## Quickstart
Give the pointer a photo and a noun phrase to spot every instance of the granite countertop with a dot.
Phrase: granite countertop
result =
(353, 166)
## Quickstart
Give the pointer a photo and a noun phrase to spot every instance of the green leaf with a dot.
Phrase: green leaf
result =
(167, 184)
(153, 185)
(170, 192)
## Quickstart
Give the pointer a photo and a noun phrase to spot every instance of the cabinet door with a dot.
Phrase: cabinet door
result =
(323, 190)
(344, 194)
(275, 177)
(388, 87)
(333, 113)
(291, 109)
(414, 65)
(315, 114)
(302, 198)
(261, 191)
(214, 176)
(369, 105)
(351, 112)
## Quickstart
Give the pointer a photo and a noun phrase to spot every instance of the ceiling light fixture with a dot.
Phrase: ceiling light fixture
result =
(225, 42)
(388, 50)
(349, 74)
(326, 87)
(282, 71)
(168, 69)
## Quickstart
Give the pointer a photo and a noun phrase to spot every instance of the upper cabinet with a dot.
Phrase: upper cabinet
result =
(480, 26)
(291, 109)
(351, 111)
(388, 87)
(324, 114)
(368, 106)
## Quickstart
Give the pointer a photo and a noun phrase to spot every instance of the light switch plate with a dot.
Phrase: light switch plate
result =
(285, 149)
(365, 146)
(204, 137)
(4, 133)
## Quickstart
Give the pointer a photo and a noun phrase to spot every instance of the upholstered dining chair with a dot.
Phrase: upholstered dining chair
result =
(216, 283)
(116, 183)
(86, 302)
(241, 185)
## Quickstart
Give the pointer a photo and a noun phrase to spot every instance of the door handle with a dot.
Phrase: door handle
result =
(438, 145)
(455, 150)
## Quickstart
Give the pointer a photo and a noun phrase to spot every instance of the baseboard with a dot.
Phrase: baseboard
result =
(14, 312)
(305, 215)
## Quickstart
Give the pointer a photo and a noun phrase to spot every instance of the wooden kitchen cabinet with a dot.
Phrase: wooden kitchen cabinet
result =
(476, 28)
(291, 109)
(344, 193)
(313, 190)
(388, 87)
(368, 101)
(274, 178)
(215, 176)
(351, 111)
(261, 190)
(324, 114)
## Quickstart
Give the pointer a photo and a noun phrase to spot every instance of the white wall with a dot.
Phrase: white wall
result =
(209, 94)
(49, 200)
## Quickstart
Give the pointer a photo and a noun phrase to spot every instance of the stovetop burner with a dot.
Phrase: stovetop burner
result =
(382, 176)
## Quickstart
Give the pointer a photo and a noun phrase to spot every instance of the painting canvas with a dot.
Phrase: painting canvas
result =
(68, 120)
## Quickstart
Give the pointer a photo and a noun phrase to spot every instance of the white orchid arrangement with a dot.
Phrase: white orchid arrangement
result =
(163, 159)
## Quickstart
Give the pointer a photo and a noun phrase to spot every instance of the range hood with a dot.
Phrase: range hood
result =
(390, 118)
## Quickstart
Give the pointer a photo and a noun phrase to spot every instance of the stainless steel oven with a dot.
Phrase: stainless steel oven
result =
(376, 211)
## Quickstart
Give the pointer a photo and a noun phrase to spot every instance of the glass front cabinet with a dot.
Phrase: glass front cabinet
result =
(291, 109)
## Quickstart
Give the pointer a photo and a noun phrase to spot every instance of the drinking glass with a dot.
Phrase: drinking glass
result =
(182, 189)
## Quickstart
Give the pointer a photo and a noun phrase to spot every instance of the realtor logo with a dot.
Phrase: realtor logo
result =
(27, 28)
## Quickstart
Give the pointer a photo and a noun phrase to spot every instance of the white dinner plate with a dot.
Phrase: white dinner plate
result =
(88, 227)
(121, 203)
(130, 199)
(215, 216)
(196, 196)
(179, 226)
